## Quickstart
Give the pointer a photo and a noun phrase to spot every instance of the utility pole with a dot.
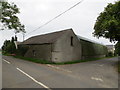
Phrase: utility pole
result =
(15, 41)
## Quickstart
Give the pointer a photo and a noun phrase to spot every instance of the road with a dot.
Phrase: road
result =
(18, 73)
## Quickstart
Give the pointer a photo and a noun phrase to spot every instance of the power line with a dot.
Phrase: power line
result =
(55, 17)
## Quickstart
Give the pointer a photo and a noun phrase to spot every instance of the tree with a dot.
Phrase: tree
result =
(8, 18)
(5, 45)
(108, 23)
(9, 46)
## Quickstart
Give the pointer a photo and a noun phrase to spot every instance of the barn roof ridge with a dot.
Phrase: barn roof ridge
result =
(52, 37)
(46, 38)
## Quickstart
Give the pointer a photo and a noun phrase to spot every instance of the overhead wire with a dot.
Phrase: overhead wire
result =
(56, 17)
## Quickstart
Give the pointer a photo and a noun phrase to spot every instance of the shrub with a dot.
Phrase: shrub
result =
(110, 54)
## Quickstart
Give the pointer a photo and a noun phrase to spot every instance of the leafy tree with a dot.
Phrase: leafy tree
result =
(108, 22)
(8, 17)
(5, 45)
(9, 46)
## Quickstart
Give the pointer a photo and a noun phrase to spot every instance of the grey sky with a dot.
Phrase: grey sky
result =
(81, 19)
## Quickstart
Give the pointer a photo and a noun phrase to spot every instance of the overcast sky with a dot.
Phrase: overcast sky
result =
(81, 18)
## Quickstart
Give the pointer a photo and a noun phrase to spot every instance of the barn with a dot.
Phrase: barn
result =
(92, 49)
(62, 46)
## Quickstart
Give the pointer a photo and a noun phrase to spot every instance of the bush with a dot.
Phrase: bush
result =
(110, 54)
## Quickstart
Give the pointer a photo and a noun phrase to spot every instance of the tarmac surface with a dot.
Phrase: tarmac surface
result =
(17, 73)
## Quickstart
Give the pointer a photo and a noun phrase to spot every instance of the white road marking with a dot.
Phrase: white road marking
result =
(33, 79)
(6, 61)
(59, 68)
(98, 79)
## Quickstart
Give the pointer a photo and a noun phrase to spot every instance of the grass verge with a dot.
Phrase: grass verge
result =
(34, 60)
(61, 63)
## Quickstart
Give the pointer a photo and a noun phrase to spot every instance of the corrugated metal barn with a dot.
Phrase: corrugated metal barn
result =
(63, 46)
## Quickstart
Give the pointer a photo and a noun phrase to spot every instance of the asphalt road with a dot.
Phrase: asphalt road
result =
(18, 73)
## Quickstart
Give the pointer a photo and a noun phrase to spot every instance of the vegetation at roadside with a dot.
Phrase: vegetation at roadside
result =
(58, 63)
(9, 47)
(33, 60)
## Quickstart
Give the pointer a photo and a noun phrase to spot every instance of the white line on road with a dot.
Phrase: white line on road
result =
(33, 79)
(98, 79)
(59, 68)
(6, 61)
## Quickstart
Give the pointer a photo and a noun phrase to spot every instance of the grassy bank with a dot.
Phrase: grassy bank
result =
(61, 63)
(34, 60)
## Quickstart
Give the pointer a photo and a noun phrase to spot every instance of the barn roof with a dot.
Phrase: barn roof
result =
(45, 38)
(51, 38)
(88, 40)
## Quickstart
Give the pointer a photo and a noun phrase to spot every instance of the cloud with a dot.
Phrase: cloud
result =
(35, 13)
